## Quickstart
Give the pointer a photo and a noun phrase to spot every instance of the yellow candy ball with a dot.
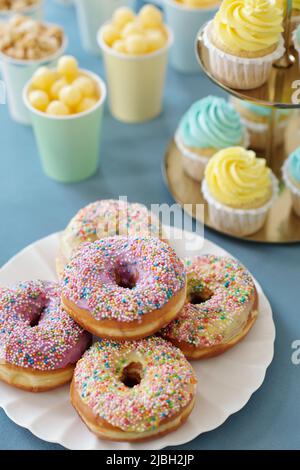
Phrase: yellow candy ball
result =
(119, 46)
(85, 84)
(136, 44)
(122, 16)
(57, 108)
(156, 39)
(57, 86)
(43, 78)
(70, 95)
(150, 16)
(86, 104)
(39, 99)
(132, 28)
(110, 34)
(68, 67)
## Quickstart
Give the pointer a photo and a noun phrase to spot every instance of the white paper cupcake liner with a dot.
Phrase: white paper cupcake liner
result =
(295, 191)
(240, 222)
(241, 73)
(194, 164)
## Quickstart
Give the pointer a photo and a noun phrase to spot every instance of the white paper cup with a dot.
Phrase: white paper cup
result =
(91, 14)
(238, 222)
(16, 74)
(295, 191)
(34, 11)
(135, 83)
(185, 23)
(239, 72)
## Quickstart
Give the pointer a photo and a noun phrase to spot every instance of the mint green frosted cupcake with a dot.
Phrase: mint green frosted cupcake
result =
(210, 124)
(256, 119)
(291, 176)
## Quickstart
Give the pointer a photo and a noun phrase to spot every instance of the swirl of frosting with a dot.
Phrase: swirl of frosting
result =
(238, 179)
(211, 123)
(294, 165)
(248, 25)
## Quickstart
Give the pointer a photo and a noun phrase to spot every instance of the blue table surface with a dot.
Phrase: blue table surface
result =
(32, 206)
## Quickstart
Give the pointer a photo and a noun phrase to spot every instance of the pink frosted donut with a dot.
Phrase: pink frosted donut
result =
(39, 342)
(123, 287)
(221, 307)
(106, 218)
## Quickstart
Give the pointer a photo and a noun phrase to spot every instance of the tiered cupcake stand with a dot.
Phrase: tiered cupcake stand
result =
(282, 225)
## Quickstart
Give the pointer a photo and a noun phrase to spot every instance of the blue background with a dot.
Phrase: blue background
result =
(32, 206)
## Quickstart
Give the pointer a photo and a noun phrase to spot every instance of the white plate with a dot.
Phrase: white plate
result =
(226, 383)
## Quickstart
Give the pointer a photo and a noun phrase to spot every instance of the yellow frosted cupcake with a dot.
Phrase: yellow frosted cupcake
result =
(256, 119)
(240, 189)
(244, 39)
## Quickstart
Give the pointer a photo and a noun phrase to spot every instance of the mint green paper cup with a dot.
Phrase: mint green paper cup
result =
(69, 146)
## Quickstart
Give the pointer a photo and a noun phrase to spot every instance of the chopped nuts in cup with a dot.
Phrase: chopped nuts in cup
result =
(17, 5)
(23, 38)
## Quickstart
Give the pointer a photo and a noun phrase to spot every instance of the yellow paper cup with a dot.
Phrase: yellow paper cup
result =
(135, 83)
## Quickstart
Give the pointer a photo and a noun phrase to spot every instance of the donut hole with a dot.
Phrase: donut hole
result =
(126, 275)
(132, 374)
(35, 321)
(199, 297)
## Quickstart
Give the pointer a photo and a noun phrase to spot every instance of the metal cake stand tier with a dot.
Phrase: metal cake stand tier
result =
(282, 225)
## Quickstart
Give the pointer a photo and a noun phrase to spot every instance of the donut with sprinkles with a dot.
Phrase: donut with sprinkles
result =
(106, 218)
(221, 307)
(39, 341)
(133, 390)
(124, 287)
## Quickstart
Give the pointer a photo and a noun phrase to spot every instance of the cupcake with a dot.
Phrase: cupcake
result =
(243, 41)
(291, 176)
(256, 119)
(239, 189)
(209, 125)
